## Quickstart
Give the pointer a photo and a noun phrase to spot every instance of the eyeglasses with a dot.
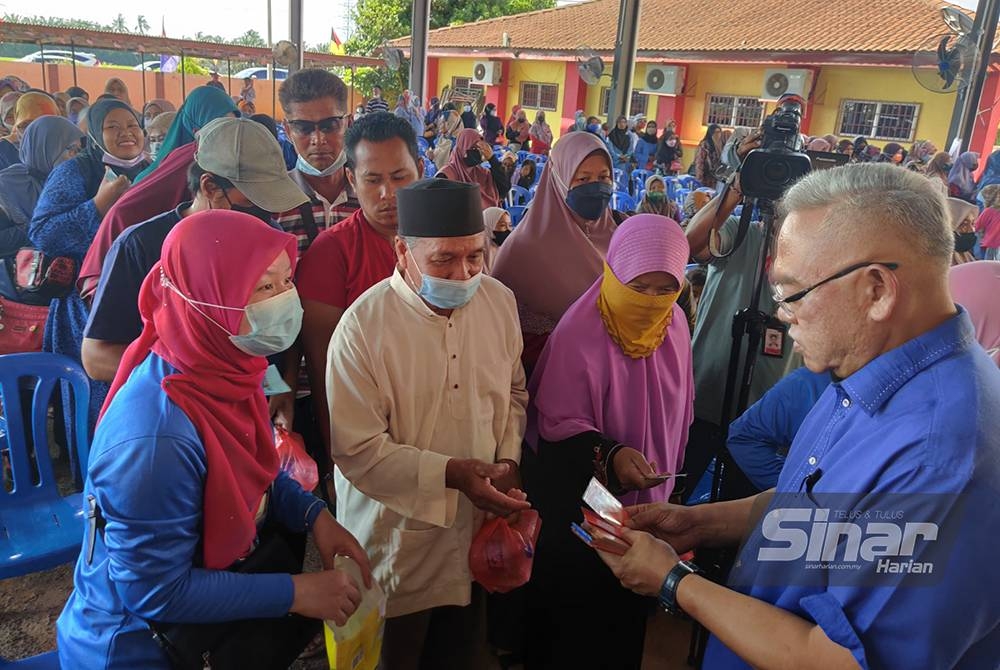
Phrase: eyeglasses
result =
(784, 303)
(331, 124)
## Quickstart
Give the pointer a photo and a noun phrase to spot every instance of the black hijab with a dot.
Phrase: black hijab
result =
(646, 137)
(91, 159)
(619, 137)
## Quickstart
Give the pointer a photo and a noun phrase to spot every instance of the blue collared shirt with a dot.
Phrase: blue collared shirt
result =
(914, 428)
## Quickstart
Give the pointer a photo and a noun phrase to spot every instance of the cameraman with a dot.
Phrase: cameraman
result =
(727, 291)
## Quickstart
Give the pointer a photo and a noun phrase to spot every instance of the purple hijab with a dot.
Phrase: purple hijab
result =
(644, 403)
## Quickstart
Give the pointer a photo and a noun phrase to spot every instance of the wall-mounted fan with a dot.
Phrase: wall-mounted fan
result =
(393, 57)
(957, 21)
(943, 64)
(285, 53)
(589, 65)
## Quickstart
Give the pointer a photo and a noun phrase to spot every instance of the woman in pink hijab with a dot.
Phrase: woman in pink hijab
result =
(622, 417)
(465, 165)
(975, 286)
(557, 251)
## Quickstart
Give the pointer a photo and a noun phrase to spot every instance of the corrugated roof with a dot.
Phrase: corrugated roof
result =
(831, 26)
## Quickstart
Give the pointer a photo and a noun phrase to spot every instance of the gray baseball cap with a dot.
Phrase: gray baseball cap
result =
(248, 155)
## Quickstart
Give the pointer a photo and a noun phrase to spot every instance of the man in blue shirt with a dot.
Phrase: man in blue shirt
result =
(878, 545)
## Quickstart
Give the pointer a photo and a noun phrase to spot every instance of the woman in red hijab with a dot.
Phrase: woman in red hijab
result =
(183, 469)
(465, 164)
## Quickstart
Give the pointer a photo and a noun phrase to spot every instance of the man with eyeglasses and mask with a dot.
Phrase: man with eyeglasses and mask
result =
(238, 166)
(315, 106)
(877, 547)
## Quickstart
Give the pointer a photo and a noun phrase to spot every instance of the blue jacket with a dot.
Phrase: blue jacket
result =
(147, 471)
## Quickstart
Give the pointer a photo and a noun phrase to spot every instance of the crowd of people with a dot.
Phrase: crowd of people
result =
(236, 275)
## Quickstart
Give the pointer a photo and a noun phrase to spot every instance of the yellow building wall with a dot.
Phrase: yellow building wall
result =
(834, 84)
(638, 81)
(838, 83)
(539, 72)
(453, 67)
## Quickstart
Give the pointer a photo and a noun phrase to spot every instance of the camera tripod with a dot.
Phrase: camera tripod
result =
(749, 323)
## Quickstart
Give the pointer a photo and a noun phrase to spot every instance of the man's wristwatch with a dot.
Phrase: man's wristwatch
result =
(668, 592)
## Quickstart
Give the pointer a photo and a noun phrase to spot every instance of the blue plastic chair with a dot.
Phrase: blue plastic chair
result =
(523, 156)
(518, 195)
(532, 191)
(516, 213)
(619, 175)
(423, 145)
(430, 169)
(39, 529)
(46, 661)
(622, 202)
(688, 182)
(639, 178)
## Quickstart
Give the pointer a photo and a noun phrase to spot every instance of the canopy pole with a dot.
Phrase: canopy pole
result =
(620, 100)
(183, 79)
(41, 48)
(295, 33)
(142, 64)
(420, 20)
(72, 47)
(229, 75)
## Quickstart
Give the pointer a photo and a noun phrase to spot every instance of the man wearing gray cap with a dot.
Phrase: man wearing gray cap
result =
(238, 166)
(427, 411)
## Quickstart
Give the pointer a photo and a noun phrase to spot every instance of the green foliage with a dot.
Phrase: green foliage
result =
(191, 66)
(378, 21)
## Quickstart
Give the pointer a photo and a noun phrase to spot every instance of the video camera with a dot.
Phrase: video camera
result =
(769, 171)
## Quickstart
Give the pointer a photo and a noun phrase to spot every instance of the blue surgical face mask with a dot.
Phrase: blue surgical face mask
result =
(303, 166)
(274, 323)
(446, 293)
(590, 200)
(594, 128)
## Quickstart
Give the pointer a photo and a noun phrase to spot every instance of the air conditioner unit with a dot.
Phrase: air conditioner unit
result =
(664, 80)
(779, 82)
(486, 72)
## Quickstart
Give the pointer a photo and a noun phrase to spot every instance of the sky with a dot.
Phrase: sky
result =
(228, 18)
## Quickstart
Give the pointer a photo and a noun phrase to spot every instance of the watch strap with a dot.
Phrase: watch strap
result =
(668, 592)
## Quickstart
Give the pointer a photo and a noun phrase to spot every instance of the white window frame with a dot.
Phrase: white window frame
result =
(637, 94)
(538, 92)
(710, 101)
(871, 132)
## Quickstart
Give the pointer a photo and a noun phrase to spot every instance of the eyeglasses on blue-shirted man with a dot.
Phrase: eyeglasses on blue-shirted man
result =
(784, 303)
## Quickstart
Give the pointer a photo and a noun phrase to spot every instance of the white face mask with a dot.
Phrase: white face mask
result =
(125, 163)
(274, 322)
(303, 166)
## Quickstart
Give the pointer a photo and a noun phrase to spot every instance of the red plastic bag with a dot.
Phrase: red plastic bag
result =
(502, 554)
(294, 460)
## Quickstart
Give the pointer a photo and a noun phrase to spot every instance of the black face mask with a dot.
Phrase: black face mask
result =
(500, 236)
(473, 157)
(590, 200)
(964, 242)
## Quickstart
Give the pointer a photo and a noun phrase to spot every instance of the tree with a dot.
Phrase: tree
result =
(250, 38)
(119, 25)
(141, 25)
(378, 21)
